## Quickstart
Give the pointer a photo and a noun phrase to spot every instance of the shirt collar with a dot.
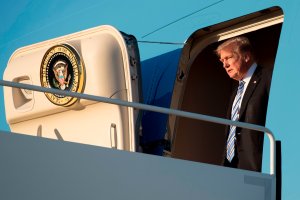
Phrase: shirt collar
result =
(249, 73)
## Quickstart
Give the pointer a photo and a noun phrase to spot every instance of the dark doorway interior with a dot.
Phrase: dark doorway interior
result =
(207, 92)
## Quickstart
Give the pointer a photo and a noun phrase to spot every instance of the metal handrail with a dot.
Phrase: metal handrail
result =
(156, 109)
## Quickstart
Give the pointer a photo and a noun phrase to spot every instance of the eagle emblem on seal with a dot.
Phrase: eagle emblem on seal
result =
(62, 78)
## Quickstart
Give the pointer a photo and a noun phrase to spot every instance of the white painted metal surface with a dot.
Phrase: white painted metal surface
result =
(109, 62)
(38, 168)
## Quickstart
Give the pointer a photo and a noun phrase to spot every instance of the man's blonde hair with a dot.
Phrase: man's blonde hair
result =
(241, 45)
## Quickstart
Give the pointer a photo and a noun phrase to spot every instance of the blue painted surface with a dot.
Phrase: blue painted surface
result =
(158, 79)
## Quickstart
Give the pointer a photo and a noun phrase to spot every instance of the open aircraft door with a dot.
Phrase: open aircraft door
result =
(100, 61)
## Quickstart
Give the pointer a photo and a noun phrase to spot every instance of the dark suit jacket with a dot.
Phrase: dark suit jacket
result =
(249, 143)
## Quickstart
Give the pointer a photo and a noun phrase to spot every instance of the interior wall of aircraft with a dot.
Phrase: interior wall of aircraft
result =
(207, 91)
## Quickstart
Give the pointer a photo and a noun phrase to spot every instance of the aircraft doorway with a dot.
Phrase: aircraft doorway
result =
(202, 85)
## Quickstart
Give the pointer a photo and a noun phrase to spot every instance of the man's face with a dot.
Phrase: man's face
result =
(234, 63)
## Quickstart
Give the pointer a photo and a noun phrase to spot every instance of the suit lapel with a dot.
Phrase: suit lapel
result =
(233, 94)
(250, 88)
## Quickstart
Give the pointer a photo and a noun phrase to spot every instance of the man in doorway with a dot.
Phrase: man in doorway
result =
(248, 103)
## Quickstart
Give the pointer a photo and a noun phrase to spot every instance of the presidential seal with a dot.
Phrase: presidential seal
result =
(63, 69)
